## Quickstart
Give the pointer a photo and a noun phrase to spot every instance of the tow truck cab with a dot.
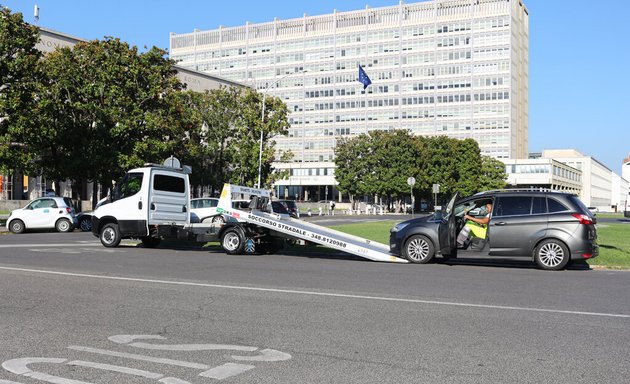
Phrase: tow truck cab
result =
(143, 200)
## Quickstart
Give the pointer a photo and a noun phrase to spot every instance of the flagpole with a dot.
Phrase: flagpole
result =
(366, 127)
(365, 80)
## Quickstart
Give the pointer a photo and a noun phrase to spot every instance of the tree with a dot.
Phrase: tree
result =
(468, 166)
(441, 164)
(18, 64)
(101, 107)
(220, 134)
(380, 163)
(352, 164)
(397, 156)
(492, 175)
(246, 139)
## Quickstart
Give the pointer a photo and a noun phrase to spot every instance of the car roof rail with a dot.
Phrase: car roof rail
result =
(530, 189)
(184, 168)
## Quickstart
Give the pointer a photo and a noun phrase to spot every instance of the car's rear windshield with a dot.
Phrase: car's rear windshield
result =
(578, 203)
(67, 201)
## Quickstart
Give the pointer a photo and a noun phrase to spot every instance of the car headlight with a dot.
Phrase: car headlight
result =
(398, 227)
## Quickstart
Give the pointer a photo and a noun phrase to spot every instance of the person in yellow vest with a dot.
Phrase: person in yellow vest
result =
(479, 225)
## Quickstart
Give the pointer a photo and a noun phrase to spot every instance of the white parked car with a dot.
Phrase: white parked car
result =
(204, 209)
(45, 212)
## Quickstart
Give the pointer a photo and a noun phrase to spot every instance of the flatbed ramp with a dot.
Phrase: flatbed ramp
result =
(320, 235)
(299, 229)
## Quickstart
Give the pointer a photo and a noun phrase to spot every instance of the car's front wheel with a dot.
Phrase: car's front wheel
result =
(552, 255)
(17, 226)
(85, 224)
(63, 225)
(110, 235)
(419, 249)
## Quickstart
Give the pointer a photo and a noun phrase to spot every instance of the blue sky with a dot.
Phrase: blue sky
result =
(579, 54)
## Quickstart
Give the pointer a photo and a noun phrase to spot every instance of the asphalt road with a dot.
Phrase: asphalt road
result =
(71, 309)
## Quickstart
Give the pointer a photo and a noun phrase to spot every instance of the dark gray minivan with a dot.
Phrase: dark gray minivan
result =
(552, 228)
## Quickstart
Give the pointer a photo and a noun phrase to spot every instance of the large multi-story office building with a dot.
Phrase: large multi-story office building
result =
(441, 67)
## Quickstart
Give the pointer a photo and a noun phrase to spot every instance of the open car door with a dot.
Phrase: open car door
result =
(448, 229)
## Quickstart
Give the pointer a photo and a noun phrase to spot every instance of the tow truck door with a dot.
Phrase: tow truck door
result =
(448, 229)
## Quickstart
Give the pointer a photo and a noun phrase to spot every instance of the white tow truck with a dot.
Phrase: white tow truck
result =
(153, 202)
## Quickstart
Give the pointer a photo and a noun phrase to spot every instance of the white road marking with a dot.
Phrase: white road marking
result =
(133, 356)
(125, 339)
(8, 382)
(322, 294)
(173, 380)
(176, 347)
(265, 355)
(117, 368)
(49, 245)
(74, 250)
(226, 370)
(20, 367)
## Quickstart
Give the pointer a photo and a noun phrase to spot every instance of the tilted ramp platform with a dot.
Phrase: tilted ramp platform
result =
(303, 230)
(321, 235)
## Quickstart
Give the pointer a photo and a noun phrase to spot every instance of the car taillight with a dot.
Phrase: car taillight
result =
(68, 210)
(583, 219)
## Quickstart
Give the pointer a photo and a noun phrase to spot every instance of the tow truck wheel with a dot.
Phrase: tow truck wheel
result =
(273, 245)
(150, 242)
(110, 235)
(419, 249)
(232, 242)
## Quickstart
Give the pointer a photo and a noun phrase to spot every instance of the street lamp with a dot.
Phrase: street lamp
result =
(262, 120)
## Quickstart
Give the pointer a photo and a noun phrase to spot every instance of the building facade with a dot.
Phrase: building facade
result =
(620, 188)
(625, 168)
(443, 67)
(543, 173)
(597, 179)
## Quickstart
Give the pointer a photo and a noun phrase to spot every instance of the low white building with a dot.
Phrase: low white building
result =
(620, 187)
(543, 173)
(598, 189)
(625, 168)
(625, 174)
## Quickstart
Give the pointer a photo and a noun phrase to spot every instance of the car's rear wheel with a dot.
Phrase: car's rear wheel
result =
(552, 255)
(17, 226)
(63, 225)
(419, 249)
(110, 235)
(219, 220)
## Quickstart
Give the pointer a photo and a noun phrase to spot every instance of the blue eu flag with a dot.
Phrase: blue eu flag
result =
(363, 78)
